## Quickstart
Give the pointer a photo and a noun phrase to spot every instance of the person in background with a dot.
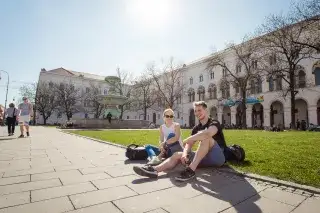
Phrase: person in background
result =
(25, 113)
(12, 112)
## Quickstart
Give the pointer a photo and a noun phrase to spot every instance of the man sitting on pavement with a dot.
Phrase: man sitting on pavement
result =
(210, 151)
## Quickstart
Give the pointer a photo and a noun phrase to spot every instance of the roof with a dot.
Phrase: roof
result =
(66, 72)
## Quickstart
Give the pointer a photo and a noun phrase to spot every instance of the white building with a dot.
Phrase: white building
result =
(80, 80)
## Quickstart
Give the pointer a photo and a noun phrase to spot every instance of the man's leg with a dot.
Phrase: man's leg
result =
(27, 128)
(202, 151)
(152, 172)
(21, 129)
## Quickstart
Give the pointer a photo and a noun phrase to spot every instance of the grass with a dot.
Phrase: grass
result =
(292, 156)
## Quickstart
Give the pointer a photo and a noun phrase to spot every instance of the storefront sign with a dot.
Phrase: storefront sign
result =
(249, 100)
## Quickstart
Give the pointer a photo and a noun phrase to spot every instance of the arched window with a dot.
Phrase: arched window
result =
(191, 80)
(258, 85)
(201, 92)
(212, 90)
(105, 91)
(278, 83)
(211, 75)
(201, 78)
(191, 95)
(225, 89)
(252, 87)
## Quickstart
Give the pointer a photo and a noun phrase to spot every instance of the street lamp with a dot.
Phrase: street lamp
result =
(5, 105)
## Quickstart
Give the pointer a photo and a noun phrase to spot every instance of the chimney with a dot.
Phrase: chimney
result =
(43, 70)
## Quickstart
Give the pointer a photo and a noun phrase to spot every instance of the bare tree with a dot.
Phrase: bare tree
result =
(67, 97)
(144, 94)
(45, 100)
(283, 53)
(92, 99)
(120, 85)
(239, 64)
(307, 15)
(169, 83)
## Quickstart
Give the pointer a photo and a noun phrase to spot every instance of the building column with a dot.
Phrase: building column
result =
(287, 117)
(220, 112)
(233, 115)
(312, 115)
(249, 116)
(266, 115)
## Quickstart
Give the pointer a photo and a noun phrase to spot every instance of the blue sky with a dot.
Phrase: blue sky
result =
(96, 36)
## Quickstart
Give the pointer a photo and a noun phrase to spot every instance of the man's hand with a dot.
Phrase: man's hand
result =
(184, 158)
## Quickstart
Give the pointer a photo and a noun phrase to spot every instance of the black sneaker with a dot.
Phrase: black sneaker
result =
(28, 134)
(147, 171)
(186, 175)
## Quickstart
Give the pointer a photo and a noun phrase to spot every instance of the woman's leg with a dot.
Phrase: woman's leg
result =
(150, 151)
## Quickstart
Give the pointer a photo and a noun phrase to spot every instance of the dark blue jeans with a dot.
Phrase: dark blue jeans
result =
(171, 148)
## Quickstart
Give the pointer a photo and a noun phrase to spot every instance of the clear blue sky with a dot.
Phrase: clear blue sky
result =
(98, 35)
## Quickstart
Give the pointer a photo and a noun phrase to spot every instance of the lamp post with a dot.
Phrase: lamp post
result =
(5, 105)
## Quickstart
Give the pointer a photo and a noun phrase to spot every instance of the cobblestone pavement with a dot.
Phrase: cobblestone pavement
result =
(55, 172)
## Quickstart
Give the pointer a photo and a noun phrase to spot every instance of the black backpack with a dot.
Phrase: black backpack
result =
(234, 153)
(136, 152)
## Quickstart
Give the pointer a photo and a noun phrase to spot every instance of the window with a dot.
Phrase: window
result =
(224, 72)
(201, 78)
(214, 92)
(211, 75)
(178, 115)
(278, 83)
(179, 99)
(191, 95)
(301, 79)
(87, 90)
(271, 84)
(201, 93)
(238, 68)
(258, 85)
(158, 116)
(127, 116)
(148, 117)
(105, 91)
(237, 89)
(225, 90)
(50, 85)
(254, 64)
(191, 80)
(273, 59)
(252, 88)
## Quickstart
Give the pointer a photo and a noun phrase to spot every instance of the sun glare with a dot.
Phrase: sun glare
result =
(150, 13)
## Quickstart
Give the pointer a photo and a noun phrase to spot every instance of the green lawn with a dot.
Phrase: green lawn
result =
(292, 156)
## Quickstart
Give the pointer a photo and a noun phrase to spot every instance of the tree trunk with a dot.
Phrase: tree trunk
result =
(44, 119)
(243, 110)
(121, 112)
(145, 113)
(293, 107)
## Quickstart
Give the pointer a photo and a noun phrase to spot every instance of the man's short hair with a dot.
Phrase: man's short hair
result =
(200, 103)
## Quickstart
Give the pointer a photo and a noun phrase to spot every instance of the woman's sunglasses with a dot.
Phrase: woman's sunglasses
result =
(169, 116)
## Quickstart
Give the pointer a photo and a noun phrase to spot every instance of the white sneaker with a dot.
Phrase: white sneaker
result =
(154, 161)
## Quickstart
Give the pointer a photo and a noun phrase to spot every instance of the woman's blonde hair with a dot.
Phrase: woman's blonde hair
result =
(168, 110)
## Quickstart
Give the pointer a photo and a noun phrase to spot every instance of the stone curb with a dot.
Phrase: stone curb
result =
(306, 188)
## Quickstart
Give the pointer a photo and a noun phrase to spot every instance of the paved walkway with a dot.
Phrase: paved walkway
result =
(55, 172)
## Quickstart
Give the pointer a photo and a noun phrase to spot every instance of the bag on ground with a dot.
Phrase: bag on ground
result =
(234, 153)
(136, 152)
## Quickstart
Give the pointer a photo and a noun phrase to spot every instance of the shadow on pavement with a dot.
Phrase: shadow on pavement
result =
(127, 161)
(224, 186)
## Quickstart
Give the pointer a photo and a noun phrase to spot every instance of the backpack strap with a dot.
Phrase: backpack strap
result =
(133, 146)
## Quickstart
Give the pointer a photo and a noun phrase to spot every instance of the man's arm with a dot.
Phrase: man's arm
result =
(202, 135)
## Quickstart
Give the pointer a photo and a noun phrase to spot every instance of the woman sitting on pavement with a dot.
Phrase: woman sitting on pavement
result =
(170, 140)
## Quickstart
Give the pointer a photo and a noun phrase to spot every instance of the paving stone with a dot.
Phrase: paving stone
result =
(61, 191)
(154, 200)
(282, 196)
(1, 174)
(142, 186)
(21, 187)
(120, 171)
(204, 203)
(12, 180)
(28, 171)
(310, 205)
(101, 196)
(113, 182)
(157, 211)
(72, 167)
(100, 208)
(57, 205)
(260, 204)
(93, 170)
(52, 175)
(5, 157)
(14, 199)
(83, 178)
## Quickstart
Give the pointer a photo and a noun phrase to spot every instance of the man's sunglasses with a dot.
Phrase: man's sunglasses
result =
(169, 116)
